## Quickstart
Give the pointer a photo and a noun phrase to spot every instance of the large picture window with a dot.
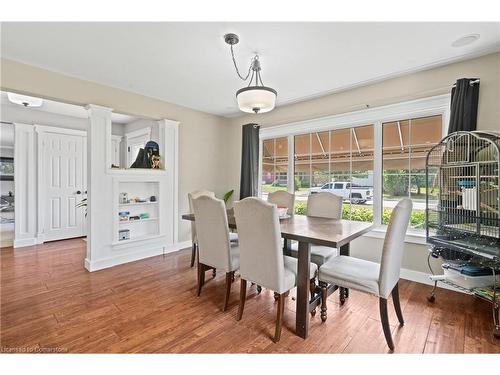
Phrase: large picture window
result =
(372, 164)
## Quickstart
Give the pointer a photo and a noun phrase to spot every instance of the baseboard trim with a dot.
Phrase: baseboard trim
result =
(423, 278)
(100, 264)
(24, 242)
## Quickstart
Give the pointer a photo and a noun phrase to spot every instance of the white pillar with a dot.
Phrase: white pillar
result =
(25, 213)
(99, 216)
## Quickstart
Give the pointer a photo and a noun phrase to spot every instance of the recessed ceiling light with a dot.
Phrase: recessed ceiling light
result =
(465, 40)
(24, 100)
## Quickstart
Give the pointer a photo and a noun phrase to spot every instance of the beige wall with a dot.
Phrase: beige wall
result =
(412, 86)
(202, 137)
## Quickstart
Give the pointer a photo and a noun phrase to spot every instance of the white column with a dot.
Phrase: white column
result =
(169, 146)
(25, 213)
(99, 211)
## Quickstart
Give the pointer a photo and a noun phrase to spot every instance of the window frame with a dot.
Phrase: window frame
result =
(424, 107)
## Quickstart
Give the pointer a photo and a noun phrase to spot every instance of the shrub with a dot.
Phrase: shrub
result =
(297, 183)
(365, 213)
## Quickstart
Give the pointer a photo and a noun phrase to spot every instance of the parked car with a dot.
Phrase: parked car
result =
(350, 192)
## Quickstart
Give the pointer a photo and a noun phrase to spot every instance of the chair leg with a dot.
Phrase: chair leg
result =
(232, 276)
(279, 319)
(193, 254)
(384, 317)
(243, 297)
(397, 305)
(324, 296)
(201, 277)
(228, 289)
(312, 290)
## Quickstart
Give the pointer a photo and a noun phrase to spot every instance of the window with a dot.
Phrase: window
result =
(371, 164)
(344, 155)
(405, 144)
(274, 165)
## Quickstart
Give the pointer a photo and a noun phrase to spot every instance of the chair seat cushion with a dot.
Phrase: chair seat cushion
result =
(291, 267)
(319, 254)
(349, 272)
(233, 237)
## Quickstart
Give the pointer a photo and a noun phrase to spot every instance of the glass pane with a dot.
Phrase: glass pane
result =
(274, 165)
(320, 155)
(302, 163)
(405, 145)
(424, 134)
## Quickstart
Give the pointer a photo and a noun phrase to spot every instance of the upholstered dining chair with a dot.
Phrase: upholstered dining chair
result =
(326, 205)
(378, 279)
(283, 199)
(261, 256)
(215, 250)
(193, 195)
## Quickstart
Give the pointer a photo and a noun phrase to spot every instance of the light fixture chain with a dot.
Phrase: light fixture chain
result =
(236, 66)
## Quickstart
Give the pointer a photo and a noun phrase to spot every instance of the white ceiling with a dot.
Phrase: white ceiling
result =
(66, 109)
(189, 64)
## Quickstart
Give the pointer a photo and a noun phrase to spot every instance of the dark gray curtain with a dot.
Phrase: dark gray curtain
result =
(464, 101)
(249, 183)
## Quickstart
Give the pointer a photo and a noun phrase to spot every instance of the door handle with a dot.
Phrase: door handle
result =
(78, 192)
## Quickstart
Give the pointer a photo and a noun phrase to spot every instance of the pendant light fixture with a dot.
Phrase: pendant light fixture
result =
(257, 98)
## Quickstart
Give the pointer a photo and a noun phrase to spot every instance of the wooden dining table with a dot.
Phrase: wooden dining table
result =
(307, 230)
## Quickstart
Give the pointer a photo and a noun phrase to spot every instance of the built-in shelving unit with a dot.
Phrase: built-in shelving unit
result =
(142, 199)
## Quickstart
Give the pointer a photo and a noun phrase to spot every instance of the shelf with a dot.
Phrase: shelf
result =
(139, 238)
(136, 204)
(137, 221)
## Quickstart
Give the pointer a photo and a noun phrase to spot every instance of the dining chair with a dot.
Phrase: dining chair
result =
(370, 277)
(261, 257)
(283, 199)
(215, 250)
(193, 195)
(325, 205)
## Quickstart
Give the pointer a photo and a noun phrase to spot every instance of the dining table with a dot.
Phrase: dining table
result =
(307, 231)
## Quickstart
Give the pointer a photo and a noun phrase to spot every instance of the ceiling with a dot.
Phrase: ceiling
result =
(66, 109)
(189, 64)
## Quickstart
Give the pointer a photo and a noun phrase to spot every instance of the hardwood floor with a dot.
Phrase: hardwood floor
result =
(49, 303)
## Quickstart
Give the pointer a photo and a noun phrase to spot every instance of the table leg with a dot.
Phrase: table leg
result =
(286, 246)
(344, 292)
(302, 311)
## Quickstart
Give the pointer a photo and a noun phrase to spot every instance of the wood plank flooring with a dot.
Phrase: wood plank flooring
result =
(50, 303)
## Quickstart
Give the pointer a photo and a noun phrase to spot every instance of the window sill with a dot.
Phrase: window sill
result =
(416, 237)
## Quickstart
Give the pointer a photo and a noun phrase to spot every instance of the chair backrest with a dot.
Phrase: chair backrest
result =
(324, 204)
(261, 254)
(392, 252)
(283, 198)
(213, 232)
(193, 195)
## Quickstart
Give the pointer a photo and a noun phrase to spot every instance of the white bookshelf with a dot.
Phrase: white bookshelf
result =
(139, 229)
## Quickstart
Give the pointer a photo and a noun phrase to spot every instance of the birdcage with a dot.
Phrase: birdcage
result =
(462, 211)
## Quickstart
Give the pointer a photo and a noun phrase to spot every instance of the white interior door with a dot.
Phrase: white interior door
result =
(64, 185)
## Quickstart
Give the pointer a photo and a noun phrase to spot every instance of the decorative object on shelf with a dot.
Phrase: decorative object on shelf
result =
(123, 234)
(133, 218)
(155, 162)
(152, 198)
(142, 160)
(139, 200)
(144, 215)
(123, 198)
(257, 98)
(124, 215)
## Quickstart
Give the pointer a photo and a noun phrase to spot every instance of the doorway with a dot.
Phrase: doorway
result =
(62, 182)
